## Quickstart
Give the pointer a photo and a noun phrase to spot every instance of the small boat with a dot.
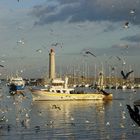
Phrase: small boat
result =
(59, 90)
(16, 84)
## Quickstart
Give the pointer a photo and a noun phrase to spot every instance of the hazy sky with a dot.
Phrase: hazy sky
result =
(29, 28)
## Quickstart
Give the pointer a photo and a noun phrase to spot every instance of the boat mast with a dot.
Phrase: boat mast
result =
(101, 78)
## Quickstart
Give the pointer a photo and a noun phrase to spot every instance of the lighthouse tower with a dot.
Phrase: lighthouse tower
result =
(52, 64)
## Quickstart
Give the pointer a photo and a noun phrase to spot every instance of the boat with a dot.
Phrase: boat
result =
(16, 84)
(58, 89)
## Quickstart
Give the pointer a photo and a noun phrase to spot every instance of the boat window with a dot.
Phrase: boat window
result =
(57, 84)
(58, 91)
(17, 80)
(64, 91)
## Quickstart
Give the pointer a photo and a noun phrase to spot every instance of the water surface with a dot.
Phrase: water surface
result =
(23, 119)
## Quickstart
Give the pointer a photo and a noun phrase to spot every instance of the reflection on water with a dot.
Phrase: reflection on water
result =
(71, 119)
(20, 118)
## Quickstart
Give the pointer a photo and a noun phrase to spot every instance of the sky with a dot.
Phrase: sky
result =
(110, 29)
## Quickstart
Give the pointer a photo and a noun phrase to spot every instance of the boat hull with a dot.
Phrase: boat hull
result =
(16, 89)
(19, 88)
(44, 96)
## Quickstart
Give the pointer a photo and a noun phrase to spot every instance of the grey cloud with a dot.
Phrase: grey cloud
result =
(127, 49)
(88, 10)
(109, 28)
(134, 38)
(67, 1)
(135, 46)
(42, 11)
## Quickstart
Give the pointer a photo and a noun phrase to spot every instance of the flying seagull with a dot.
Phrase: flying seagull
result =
(134, 114)
(88, 52)
(118, 58)
(125, 76)
(126, 24)
(132, 11)
(1, 66)
(20, 42)
(39, 50)
(136, 109)
(103, 92)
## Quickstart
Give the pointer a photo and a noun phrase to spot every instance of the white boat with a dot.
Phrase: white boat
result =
(16, 84)
(58, 90)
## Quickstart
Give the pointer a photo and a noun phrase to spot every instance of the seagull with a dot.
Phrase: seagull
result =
(123, 61)
(132, 11)
(134, 114)
(39, 50)
(22, 94)
(113, 68)
(54, 44)
(1, 66)
(125, 76)
(20, 42)
(88, 52)
(118, 58)
(126, 25)
(102, 91)
(108, 123)
(136, 109)
(57, 44)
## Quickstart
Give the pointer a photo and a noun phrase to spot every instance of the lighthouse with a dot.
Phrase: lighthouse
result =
(52, 64)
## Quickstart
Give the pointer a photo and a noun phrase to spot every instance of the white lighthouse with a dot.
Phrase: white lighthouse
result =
(52, 64)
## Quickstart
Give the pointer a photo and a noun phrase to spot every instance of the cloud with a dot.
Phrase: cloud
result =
(87, 10)
(134, 38)
(110, 28)
(128, 47)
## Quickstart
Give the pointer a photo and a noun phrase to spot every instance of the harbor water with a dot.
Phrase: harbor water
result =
(24, 119)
